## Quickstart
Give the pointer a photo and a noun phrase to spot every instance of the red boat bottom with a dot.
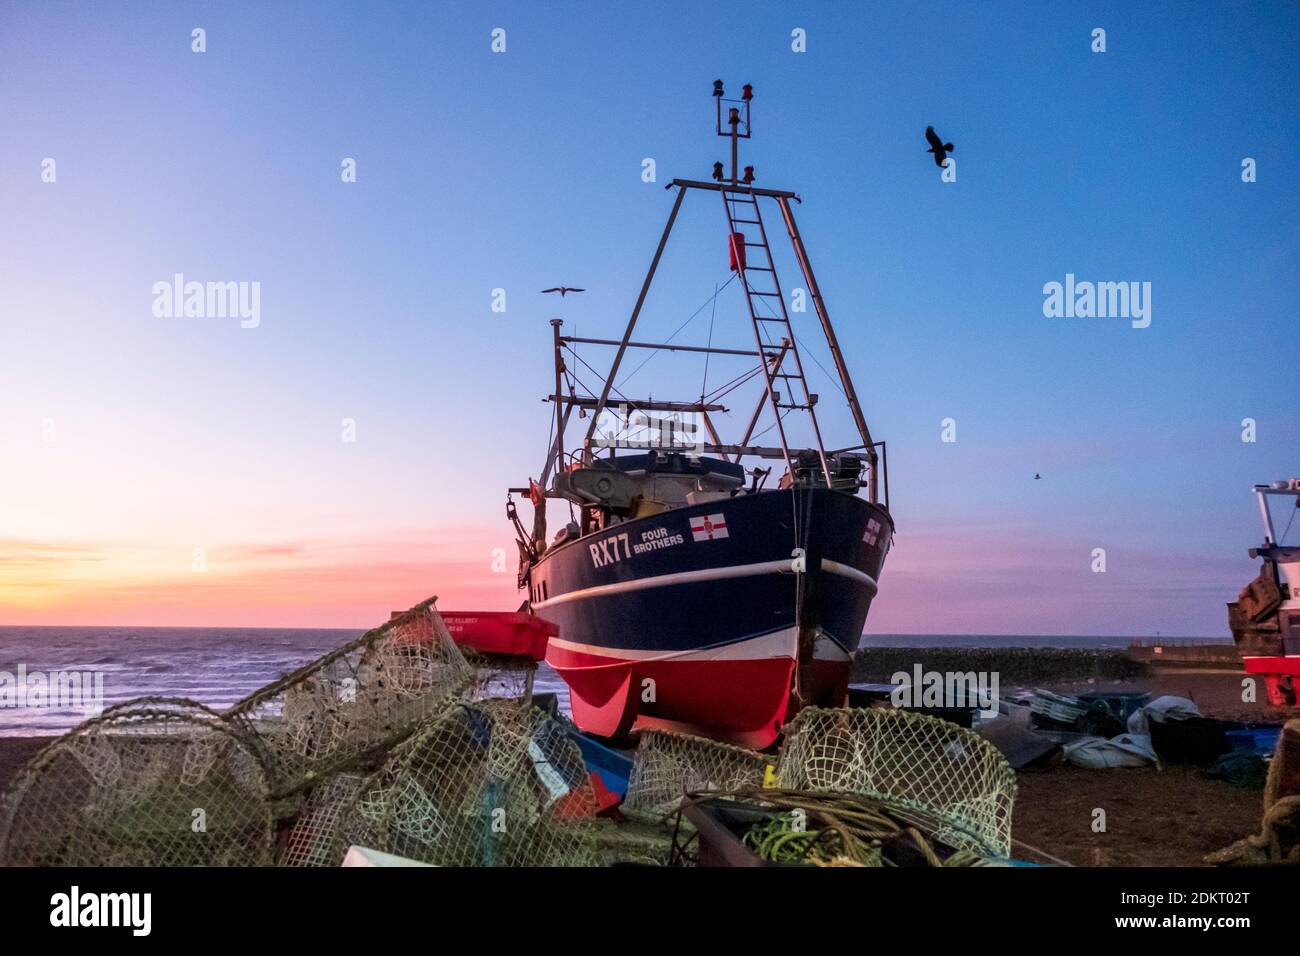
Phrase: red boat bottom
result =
(1280, 676)
(723, 693)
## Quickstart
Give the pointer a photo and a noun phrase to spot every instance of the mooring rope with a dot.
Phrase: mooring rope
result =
(838, 827)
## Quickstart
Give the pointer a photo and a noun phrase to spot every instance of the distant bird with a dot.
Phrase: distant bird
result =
(1037, 476)
(562, 289)
(937, 146)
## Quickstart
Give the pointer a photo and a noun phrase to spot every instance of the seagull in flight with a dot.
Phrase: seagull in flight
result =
(938, 147)
(562, 289)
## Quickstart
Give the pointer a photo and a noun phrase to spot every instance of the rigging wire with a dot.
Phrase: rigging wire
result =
(770, 312)
(711, 299)
(627, 401)
(712, 315)
(759, 435)
(813, 355)
(1282, 537)
(727, 387)
(613, 388)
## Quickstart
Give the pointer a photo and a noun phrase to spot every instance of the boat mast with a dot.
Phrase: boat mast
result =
(846, 381)
(1286, 489)
(736, 188)
(561, 409)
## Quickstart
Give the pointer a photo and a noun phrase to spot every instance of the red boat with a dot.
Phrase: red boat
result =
(509, 633)
(1265, 618)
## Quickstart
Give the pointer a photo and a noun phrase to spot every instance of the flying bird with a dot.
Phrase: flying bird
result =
(1037, 476)
(562, 289)
(937, 146)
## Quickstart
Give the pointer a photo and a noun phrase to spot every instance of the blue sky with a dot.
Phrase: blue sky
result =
(522, 170)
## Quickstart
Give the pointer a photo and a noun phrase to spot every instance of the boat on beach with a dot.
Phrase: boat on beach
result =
(693, 590)
(1265, 618)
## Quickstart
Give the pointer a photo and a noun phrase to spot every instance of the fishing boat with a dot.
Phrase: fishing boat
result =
(692, 590)
(1265, 618)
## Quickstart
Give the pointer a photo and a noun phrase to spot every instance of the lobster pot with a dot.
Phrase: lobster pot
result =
(154, 782)
(339, 712)
(485, 783)
(670, 765)
(959, 787)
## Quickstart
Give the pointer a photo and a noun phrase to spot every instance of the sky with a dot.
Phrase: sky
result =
(348, 453)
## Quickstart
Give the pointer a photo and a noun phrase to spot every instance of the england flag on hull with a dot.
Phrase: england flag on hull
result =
(708, 527)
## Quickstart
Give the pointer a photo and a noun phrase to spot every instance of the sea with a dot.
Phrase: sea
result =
(219, 666)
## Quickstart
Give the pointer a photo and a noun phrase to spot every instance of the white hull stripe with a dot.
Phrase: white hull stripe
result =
(781, 643)
(704, 574)
(852, 573)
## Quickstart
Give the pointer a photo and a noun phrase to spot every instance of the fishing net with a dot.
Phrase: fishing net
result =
(486, 783)
(953, 783)
(314, 836)
(397, 741)
(155, 782)
(497, 676)
(342, 712)
(669, 765)
(317, 835)
(633, 841)
(1278, 842)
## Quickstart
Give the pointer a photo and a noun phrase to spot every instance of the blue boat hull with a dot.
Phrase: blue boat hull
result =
(708, 618)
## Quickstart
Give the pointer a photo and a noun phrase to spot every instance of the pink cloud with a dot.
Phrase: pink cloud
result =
(300, 584)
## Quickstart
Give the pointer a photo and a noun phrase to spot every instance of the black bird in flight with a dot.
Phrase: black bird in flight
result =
(937, 146)
(1037, 476)
(562, 289)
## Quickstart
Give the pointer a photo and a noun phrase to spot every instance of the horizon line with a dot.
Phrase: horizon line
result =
(865, 634)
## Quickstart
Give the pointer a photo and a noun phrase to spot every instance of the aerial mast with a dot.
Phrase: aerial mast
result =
(733, 131)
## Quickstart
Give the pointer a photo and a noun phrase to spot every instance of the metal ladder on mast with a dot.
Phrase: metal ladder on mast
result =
(737, 204)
